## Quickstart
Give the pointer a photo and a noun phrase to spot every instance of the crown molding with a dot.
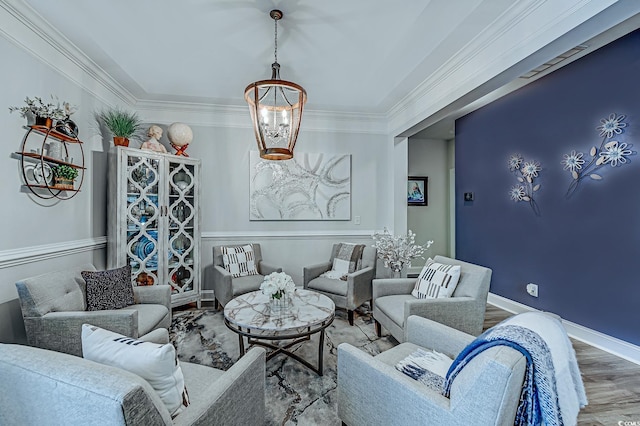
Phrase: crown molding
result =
(498, 47)
(202, 114)
(27, 29)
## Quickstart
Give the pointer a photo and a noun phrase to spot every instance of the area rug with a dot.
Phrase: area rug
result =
(295, 395)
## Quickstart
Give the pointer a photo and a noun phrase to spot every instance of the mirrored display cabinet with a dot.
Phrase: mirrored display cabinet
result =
(154, 220)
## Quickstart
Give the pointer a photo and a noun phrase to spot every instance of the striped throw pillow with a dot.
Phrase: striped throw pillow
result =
(239, 261)
(437, 280)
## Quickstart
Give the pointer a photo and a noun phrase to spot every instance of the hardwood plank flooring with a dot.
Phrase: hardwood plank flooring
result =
(612, 383)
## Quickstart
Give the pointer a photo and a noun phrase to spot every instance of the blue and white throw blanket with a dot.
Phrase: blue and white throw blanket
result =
(553, 391)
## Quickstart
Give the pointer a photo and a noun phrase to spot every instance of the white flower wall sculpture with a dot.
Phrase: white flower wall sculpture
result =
(611, 152)
(526, 172)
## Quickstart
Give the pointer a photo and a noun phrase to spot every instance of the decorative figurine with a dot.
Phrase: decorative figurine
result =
(180, 136)
(154, 133)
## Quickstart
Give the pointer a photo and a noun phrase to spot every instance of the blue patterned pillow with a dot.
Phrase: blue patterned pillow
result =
(109, 289)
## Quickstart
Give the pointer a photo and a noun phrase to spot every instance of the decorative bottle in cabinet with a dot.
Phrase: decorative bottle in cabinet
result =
(154, 220)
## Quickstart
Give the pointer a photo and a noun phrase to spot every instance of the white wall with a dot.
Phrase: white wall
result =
(429, 157)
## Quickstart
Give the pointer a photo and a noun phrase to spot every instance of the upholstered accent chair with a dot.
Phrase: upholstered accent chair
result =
(486, 392)
(464, 311)
(41, 387)
(349, 294)
(226, 286)
(54, 309)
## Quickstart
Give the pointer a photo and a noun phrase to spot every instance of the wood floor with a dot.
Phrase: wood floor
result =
(612, 383)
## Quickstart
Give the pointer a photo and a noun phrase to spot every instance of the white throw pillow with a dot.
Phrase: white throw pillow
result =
(240, 261)
(156, 363)
(436, 281)
(339, 271)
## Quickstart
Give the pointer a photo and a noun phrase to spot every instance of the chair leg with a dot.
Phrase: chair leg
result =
(350, 316)
(378, 329)
(216, 305)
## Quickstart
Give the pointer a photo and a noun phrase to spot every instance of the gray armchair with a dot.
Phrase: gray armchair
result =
(54, 308)
(464, 311)
(41, 387)
(486, 392)
(348, 294)
(226, 287)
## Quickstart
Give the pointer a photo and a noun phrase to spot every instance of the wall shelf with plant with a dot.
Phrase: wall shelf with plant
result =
(48, 156)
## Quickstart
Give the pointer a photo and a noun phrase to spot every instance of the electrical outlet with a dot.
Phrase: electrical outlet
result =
(532, 289)
(356, 220)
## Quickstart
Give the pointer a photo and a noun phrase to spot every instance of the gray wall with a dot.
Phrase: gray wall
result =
(38, 237)
(429, 157)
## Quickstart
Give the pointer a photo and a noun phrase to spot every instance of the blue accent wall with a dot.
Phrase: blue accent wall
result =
(583, 252)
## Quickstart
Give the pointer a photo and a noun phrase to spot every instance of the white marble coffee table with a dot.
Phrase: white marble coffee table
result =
(249, 315)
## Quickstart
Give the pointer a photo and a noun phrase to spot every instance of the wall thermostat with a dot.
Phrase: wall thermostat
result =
(468, 196)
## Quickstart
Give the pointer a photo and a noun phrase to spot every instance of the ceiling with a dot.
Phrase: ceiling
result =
(360, 56)
(356, 55)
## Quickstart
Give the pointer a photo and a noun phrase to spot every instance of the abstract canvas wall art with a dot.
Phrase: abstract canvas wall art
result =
(307, 187)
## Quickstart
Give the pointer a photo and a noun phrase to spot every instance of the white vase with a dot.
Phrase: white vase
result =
(55, 150)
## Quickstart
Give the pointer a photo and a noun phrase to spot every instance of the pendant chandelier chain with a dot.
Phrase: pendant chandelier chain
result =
(275, 50)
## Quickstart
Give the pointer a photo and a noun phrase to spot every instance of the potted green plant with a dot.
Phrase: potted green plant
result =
(122, 124)
(42, 112)
(64, 176)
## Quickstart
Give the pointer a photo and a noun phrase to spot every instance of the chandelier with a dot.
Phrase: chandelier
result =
(276, 109)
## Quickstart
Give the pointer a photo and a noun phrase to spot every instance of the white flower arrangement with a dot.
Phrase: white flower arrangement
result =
(398, 251)
(277, 284)
(38, 107)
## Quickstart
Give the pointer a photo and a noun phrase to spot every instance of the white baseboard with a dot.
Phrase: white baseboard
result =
(614, 346)
(21, 256)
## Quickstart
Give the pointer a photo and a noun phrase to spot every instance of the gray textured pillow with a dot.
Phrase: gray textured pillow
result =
(109, 289)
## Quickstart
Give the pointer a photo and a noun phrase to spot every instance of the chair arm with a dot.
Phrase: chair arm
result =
(62, 331)
(374, 393)
(153, 294)
(456, 312)
(237, 398)
(222, 289)
(433, 335)
(314, 271)
(359, 287)
(266, 268)
(390, 286)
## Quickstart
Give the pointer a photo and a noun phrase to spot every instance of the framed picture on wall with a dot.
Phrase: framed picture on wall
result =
(417, 191)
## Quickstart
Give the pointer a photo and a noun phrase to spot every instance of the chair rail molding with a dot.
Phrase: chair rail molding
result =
(287, 235)
(607, 343)
(22, 256)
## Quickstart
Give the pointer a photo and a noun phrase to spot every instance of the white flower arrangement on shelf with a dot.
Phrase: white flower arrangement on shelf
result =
(277, 284)
(396, 252)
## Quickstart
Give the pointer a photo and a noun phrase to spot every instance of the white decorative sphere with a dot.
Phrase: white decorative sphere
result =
(179, 134)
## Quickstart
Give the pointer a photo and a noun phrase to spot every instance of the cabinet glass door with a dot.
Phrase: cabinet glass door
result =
(182, 227)
(143, 216)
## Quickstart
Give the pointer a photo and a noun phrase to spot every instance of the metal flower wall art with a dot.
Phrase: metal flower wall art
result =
(526, 172)
(611, 152)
